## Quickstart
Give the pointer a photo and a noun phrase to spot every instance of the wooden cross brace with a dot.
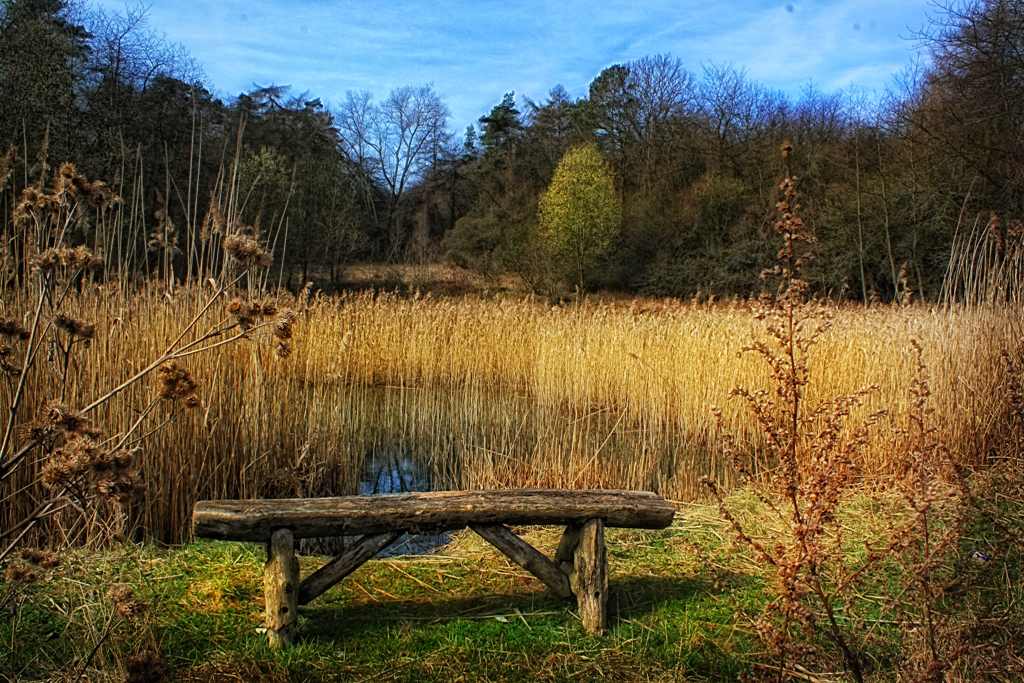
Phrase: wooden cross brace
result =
(580, 568)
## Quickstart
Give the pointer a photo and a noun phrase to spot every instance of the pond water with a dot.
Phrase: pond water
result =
(379, 440)
(394, 472)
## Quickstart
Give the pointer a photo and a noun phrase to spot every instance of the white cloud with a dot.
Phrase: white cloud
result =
(475, 52)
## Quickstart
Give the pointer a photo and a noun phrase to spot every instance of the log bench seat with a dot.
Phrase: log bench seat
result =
(579, 567)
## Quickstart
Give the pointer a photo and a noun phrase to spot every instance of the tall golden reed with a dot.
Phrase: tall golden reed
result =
(500, 393)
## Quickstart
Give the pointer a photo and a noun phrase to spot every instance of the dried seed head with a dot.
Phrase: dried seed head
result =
(125, 602)
(100, 461)
(120, 593)
(247, 251)
(35, 431)
(284, 349)
(123, 488)
(21, 573)
(78, 329)
(79, 257)
(244, 312)
(95, 193)
(146, 668)
(79, 461)
(53, 474)
(175, 382)
(123, 460)
(75, 461)
(65, 419)
(40, 558)
(282, 327)
(47, 260)
(32, 199)
(82, 257)
(13, 329)
(68, 183)
(65, 172)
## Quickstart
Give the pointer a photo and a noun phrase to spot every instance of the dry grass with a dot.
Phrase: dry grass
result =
(502, 393)
(655, 368)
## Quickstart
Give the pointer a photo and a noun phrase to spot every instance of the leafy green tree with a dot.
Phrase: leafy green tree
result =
(580, 214)
(500, 129)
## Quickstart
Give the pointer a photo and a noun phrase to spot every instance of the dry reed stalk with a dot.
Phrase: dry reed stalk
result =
(58, 380)
(483, 393)
(505, 393)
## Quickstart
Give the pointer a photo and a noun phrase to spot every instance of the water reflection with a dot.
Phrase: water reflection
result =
(394, 472)
(388, 439)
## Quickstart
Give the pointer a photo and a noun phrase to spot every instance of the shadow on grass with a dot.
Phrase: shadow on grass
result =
(659, 627)
(630, 598)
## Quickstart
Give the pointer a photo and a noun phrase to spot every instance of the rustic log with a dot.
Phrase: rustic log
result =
(251, 520)
(281, 589)
(590, 579)
(567, 546)
(354, 556)
(526, 556)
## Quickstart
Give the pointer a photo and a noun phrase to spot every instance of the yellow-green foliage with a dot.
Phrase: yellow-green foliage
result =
(579, 213)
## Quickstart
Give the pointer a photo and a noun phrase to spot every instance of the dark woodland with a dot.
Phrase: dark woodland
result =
(887, 181)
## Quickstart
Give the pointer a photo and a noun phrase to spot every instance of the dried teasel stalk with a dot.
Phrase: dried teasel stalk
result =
(13, 329)
(248, 314)
(245, 313)
(78, 329)
(247, 251)
(79, 257)
(125, 602)
(61, 417)
(176, 382)
(81, 465)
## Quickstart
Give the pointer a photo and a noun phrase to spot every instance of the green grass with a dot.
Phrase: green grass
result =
(464, 613)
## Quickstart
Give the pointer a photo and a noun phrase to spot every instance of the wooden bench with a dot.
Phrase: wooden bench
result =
(580, 565)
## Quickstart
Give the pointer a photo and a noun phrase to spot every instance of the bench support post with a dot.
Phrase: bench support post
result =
(567, 548)
(344, 564)
(525, 555)
(281, 589)
(590, 577)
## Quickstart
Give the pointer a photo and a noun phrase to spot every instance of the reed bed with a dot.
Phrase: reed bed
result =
(661, 365)
(503, 393)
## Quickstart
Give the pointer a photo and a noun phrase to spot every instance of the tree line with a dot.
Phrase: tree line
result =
(887, 183)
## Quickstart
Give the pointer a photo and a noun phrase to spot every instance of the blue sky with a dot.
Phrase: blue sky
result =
(474, 52)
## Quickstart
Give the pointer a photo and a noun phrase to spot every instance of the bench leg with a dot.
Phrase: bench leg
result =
(526, 556)
(567, 548)
(281, 589)
(590, 576)
(341, 566)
